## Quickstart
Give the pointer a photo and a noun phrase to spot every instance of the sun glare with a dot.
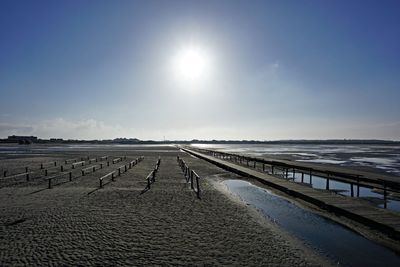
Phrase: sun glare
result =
(191, 64)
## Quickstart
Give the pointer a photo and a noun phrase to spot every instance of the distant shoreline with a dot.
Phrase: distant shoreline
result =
(195, 141)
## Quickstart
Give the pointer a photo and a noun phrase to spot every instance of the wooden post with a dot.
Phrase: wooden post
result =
(83, 173)
(55, 163)
(310, 177)
(62, 168)
(49, 183)
(119, 171)
(294, 174)
(384, 195)
(126, 169)
(287, 173)
(41, 166)
(351, 190)
(101, 165)
(198, 187)
(254, 166)
(26, 169)
(45, 172)
(101, 183)
(327, 183)
(272, 169)
(70, 176)
(191, 180)
(94, 168)
(108, 163)
(27, 176)
(358, 187)
(263, 167)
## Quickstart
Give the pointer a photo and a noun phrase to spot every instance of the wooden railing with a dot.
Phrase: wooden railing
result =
(101, 179)
(288, 171)
(82, 163)
(59, 170)
(151, 178)
(190, 175)
(118, 171)
(50, 179)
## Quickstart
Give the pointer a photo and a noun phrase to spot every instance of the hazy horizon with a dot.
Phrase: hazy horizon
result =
(183, 70)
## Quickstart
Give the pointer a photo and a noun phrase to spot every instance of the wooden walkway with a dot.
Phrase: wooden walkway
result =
(383, 220)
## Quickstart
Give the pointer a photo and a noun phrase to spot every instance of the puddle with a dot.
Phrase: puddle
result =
(331, 239)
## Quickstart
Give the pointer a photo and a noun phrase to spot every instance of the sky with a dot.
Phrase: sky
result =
(263, 70)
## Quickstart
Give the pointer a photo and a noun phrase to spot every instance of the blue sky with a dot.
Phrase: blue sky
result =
(275, 69)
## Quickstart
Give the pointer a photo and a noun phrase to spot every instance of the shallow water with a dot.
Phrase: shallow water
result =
(329, 238)
(345, 190)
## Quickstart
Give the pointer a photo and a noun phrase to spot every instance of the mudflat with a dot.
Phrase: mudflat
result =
(124, 223)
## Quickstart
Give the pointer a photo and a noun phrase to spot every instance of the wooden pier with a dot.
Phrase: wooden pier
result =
(383, 220)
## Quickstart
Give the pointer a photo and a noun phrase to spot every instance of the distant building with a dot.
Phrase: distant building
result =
(22, 139)
(56, 140)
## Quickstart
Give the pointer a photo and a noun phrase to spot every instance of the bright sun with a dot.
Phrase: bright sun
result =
(191, 64)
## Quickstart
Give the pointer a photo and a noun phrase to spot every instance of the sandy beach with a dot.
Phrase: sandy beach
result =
(76, 223)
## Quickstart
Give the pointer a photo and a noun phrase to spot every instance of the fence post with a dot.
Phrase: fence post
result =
(191, 179)
(49, 183)
(45, 172)
(83, 173)
(119, 171)
(70, 176)
(101, 183)
(198, 186)
(352, 189)
(384, 195)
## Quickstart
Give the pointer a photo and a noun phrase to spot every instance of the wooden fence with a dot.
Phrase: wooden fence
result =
(190, 175)
(151, 178)
(120, 170)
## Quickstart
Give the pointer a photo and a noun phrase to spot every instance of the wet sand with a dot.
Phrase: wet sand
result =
(75, 223)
